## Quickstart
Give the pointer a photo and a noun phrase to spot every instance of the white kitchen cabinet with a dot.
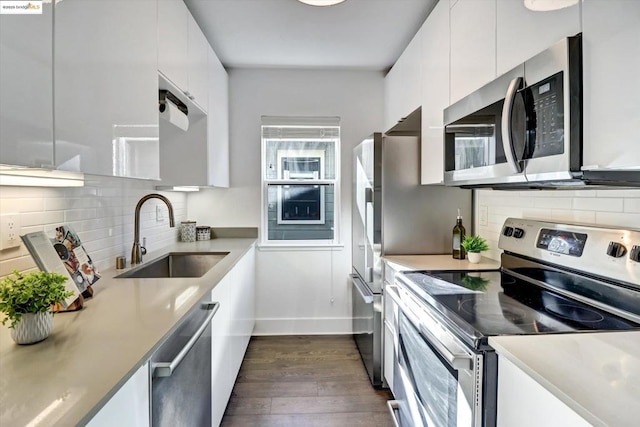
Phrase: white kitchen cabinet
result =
(129, 406)
(232, 327)
(402, 84)
(106, 87)
(522, 33)
(182, 51)
(611, 58)
(473, 46)
(435, 92)
(26, 89)
(523, 402)
(390, 321)
(199, 156)
(218, 124)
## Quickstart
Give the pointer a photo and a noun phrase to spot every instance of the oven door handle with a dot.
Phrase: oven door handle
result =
(457, 360)
(394, 406)
(366, 294)
(165, 369)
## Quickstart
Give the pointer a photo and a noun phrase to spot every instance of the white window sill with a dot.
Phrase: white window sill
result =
(299, 247)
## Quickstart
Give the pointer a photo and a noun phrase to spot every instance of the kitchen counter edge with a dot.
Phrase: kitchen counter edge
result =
(94, 351)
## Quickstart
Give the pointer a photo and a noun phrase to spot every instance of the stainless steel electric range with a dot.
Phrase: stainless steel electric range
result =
(555, 278)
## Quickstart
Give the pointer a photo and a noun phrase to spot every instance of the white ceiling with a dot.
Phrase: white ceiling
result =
(356, 34)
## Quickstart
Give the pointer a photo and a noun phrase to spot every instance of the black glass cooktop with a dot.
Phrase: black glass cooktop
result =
(494, 303)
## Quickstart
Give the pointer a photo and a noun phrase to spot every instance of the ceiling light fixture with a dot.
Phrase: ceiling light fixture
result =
(321, 2)
(548, 5)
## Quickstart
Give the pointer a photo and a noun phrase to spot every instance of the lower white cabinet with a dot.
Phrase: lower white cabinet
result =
(231, 329)
(129, 406)
(523, 402)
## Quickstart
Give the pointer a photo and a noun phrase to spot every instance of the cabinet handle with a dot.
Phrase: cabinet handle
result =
(394, 406)
(507, 144)
(165, 369)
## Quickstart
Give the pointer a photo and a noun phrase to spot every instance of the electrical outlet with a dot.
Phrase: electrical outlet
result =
(483, 215)
(9, 229)
(159, 214)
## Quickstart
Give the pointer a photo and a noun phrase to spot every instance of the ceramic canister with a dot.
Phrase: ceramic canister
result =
(188, 231)
(203, 232)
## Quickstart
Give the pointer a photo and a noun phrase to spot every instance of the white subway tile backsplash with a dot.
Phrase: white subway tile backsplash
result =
(598, 204)
(101, 213)
(618, 207)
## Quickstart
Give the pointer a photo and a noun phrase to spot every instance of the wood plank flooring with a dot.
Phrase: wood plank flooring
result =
(300, 381)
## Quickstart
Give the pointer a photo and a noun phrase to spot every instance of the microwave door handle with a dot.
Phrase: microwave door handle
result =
(507, 110)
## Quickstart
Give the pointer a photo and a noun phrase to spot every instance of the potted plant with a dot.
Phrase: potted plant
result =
(26, 301)
(473, 245)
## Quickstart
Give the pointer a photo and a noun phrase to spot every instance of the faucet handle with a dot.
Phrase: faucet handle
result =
(143, 249)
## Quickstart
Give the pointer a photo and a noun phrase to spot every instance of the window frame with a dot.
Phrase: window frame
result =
(280, 181)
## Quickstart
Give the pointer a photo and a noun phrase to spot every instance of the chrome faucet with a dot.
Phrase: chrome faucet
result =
(137, 251)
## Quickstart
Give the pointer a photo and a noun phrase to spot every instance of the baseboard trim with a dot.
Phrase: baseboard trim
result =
(304, 326)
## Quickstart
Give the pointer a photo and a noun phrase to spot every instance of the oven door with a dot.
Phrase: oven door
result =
(437, 382)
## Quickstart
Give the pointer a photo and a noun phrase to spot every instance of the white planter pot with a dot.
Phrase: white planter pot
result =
(32, 328)
(474, 257)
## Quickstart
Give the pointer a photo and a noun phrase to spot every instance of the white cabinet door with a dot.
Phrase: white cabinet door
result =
(198, 50)
(473, 46)
(611, 57)
(173, 39)
(129, 406)
(106, 87)
(389, 359)
(402, 85)
(26, 89)
(435, 92)
(523, 402)
(232, 327)
(218, 123)
(523, 33)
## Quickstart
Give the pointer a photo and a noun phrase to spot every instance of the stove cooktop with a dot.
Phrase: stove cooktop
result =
(493, 303)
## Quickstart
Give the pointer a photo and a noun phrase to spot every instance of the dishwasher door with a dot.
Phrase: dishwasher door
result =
(181, 373)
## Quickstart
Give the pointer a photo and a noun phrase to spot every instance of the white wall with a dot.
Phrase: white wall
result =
(101, 212)
(298, 291)
(602, 207)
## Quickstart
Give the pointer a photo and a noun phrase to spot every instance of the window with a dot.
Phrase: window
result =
(300, 180)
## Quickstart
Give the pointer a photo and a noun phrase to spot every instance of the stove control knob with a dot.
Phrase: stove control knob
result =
(518, 233)
(616, 250)
(635, 253)
(508, 231)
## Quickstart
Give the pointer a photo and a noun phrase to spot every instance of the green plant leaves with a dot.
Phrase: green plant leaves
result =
(475, 244)
(30, 293)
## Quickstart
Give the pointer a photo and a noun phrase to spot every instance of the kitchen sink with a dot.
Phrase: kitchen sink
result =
(176, 264)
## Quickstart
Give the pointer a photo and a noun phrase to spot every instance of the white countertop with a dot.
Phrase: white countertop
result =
(92, 352)
(437, 262)
(595, 374)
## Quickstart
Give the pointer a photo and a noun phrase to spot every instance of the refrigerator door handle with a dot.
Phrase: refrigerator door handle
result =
(363, 290)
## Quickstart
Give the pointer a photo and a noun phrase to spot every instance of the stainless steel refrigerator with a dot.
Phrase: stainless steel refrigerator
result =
(392, 214)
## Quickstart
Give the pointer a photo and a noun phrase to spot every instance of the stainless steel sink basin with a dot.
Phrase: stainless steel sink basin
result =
(176, 264)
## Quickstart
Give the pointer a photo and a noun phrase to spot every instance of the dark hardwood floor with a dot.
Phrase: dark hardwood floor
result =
(300, 381)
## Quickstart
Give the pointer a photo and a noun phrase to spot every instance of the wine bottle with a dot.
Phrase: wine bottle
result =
(458, 237)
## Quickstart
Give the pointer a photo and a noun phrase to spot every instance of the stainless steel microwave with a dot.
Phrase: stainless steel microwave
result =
(523, 127)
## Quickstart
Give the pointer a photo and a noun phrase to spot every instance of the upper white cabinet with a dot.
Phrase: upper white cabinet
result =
(611, 57)
(26, 89)
(402, 85)
(182, 51)
(106, 87)
(435, 92)
(522, 33)
(473, 45)
(218, 123)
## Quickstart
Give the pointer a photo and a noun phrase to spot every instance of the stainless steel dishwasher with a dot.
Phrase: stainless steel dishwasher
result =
(181, 372)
